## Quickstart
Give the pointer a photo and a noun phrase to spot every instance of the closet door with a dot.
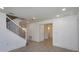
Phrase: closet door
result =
(41, 32)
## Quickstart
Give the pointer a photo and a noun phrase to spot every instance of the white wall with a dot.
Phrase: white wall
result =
(36, 31)
(9, 40)
(64, 32)
(33, 31)
(78, 30)
(2, 21)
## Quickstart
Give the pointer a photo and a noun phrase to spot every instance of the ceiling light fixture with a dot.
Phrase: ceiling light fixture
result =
(33, 18)
(48, 28)
(64, 9)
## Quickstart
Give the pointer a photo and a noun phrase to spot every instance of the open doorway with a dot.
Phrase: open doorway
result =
(48, 35)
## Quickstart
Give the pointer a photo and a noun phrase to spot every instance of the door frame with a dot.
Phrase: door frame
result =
(51, 33)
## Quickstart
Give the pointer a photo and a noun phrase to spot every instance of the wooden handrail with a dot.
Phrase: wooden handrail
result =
(15, 23)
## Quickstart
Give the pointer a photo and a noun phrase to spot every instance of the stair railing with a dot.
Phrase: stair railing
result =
(17, 25)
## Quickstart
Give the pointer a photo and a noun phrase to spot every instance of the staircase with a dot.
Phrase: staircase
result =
(13, 25)
(10, 40)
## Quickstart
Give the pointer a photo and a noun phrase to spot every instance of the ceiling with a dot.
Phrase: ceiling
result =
(40, 13)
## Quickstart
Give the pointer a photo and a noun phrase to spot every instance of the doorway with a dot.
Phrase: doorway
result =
(48, 35)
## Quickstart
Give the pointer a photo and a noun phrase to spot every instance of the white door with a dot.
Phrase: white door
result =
(41, 32)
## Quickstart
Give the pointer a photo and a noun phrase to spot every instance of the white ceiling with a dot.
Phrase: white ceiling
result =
(40, 13)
